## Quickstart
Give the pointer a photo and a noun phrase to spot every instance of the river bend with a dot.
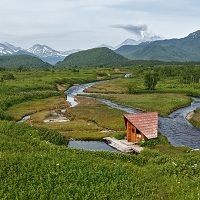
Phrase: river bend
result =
(175, 127)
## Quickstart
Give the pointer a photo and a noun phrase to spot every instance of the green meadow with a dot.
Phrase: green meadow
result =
(35, 162)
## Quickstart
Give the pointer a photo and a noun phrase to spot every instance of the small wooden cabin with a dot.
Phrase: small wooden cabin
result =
(141, 126)
(116, 69)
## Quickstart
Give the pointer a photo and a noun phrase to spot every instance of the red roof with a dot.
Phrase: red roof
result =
(146, 123)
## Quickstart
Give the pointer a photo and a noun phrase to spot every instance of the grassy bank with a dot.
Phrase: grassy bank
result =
(135, 85)
(32, 168)
(164, 104)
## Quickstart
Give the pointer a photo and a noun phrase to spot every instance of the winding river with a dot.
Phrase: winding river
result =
(175, 127)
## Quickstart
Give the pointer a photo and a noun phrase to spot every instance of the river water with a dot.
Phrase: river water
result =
(91, 145)
(175, 127)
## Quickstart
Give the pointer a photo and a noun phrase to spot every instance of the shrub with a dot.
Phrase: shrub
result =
(120, 136)
(151, 80)
(8, 76)
(149, 143)
(5, 116)
(102, 74)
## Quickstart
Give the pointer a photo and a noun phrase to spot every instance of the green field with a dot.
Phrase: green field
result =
(36, 164)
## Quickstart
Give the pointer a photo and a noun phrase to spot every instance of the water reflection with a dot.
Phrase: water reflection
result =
(91, 145)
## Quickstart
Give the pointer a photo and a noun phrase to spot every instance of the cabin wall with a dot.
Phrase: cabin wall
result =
(128, 131)
(132, 134)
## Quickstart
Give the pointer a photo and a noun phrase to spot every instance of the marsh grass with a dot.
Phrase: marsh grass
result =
(39, 84)
(117, 86)
(99, 113)
(164, 104)
(86, 121)
(30, 107)
(165, 85)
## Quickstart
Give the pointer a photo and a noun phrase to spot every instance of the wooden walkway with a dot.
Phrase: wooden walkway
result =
(123, 145)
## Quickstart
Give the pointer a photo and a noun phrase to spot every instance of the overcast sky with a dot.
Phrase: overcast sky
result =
(83, 24)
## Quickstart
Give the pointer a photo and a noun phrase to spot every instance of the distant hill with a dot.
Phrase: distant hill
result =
(128, 50)
(184, 49)
(93, 57)
(22, 60)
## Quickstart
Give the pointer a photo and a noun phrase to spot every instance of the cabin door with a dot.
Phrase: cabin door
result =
(133, 133)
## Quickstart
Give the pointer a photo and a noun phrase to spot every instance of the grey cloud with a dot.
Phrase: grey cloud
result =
(135, 29)
(65, 24)
(161, 8)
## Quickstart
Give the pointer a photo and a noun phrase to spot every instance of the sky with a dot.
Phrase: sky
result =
(82, 24)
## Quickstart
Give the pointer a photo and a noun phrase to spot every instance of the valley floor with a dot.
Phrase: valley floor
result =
(36, 164)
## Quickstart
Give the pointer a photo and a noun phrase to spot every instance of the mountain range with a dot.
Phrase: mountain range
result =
(183, 49)
(43, 52)
(180, 50)
(133, 42)
(47, 54)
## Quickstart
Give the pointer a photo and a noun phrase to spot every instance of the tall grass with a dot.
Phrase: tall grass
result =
(32, 168)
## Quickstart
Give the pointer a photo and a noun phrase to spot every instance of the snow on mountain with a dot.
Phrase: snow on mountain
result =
(133, 42)
(44, 51)
(136, 42)
(48, 54)
(9, 49)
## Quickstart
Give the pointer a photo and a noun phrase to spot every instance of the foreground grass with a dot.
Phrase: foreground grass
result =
(31, 168)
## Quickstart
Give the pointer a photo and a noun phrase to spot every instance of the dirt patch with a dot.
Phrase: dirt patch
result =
(60, 87)
(56, 117)
(190, 115)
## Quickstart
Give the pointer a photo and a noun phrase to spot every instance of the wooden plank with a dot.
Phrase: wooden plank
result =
(123, 145)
